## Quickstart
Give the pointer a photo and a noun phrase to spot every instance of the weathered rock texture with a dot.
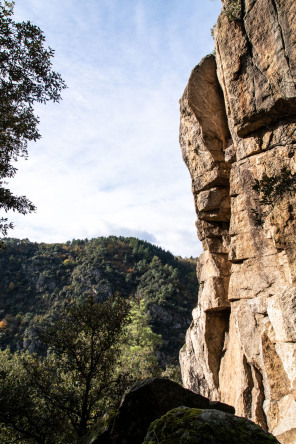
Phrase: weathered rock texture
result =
(238, 122)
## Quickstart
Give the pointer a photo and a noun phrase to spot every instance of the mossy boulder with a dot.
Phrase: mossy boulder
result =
(196, 426)
(147, 401)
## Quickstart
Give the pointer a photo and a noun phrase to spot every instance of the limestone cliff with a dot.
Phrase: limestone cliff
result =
(238, 122)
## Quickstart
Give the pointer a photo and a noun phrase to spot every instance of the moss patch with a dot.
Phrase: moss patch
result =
(185, 425)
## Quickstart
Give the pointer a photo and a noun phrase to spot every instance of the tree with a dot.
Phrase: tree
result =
(26, 77)
(23, 415)
(139, 345)
(58, 399)
(92, 354)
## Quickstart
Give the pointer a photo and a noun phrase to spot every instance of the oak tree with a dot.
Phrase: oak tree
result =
(26, 77)
(59, 398)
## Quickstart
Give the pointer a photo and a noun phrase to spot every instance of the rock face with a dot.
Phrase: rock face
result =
(238, 123)
(194, 426)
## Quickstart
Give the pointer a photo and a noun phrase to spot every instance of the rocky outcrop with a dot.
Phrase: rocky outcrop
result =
(146, 402)
(195, 426)
(238, 123)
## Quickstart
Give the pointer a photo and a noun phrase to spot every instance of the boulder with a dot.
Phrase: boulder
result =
(146, 402)
(195, 426)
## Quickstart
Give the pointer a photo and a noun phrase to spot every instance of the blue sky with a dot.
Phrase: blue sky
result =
(109, 160)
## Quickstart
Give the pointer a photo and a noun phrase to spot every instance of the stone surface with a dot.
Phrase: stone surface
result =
(241, 345)
(146, 402)
(256, 63)
(195, 426)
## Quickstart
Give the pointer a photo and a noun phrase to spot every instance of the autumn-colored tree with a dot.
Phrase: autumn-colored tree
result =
(3, 324)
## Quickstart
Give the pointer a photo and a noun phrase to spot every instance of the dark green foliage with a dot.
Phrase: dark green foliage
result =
(57, 302)
(26, 77)
(139, 345)
(37, 281)
(166, 289)
(23, 417)
(232, 9)
(271, 190)
(57, 399)
(95, 351)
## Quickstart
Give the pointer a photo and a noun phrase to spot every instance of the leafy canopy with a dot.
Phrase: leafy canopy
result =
(95, 351)
(39, 280)
(57, 399)
(139, 343)
(26, 77)
(67, 390)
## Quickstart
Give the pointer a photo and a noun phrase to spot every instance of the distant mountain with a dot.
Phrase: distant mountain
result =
(38, 280)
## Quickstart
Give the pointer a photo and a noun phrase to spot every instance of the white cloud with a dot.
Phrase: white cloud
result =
(109, 160)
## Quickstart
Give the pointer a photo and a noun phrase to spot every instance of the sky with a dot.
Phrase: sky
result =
(109, 161)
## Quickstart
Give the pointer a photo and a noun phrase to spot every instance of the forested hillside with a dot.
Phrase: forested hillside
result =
(37, 281)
